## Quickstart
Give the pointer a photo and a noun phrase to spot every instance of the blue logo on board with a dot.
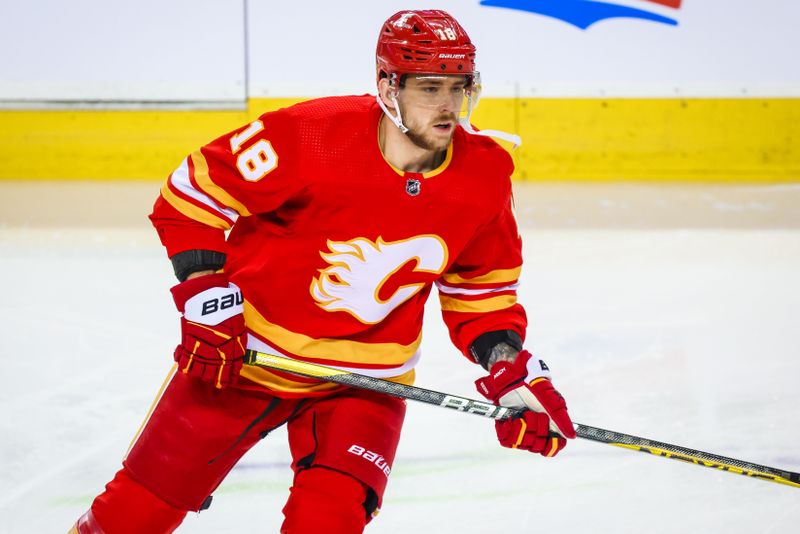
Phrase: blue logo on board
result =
(584, 13)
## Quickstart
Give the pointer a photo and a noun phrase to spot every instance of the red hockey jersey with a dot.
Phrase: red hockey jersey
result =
(336, 251)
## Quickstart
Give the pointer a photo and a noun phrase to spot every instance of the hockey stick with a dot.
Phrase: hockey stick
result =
(462, 404)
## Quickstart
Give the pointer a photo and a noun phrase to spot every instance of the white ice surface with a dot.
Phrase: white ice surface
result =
(690, 337)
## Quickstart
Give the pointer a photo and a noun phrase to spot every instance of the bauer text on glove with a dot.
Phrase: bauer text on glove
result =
(212, 329)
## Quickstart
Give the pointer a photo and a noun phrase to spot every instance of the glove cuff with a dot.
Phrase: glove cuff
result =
(502, 377)
(533, 367)
(505, 376)
(188, 289)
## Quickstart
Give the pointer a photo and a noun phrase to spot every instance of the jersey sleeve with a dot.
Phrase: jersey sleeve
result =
(478, 293)
(243, 173)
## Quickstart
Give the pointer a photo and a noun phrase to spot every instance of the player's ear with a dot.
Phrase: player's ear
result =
(385, 90)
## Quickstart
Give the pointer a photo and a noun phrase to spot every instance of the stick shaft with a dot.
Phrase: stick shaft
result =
(685, 454)
(463, 404)
(346, 378)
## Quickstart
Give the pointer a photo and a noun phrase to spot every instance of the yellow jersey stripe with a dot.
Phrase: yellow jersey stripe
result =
(337, 350)
(268, 379)
(504, 276)
(477, 306)
(210, 188)
(192, 211)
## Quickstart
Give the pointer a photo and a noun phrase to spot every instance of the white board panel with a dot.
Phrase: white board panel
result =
(194, 51)
(716, 48)
(148, 50)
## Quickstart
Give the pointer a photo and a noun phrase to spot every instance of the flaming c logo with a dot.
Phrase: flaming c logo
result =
(359, 268)
(584, 13)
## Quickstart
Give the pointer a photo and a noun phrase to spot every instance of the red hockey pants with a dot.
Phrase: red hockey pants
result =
(342, 445)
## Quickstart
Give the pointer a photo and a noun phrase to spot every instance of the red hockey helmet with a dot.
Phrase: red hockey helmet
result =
(427, 41)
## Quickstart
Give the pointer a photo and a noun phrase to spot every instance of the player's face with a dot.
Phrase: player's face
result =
(430, 107)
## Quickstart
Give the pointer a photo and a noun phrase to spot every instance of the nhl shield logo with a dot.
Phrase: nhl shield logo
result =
(412, 187)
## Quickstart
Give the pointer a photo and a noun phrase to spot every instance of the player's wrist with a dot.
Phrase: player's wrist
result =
(498, 345)
(502, 352)
(198, 274)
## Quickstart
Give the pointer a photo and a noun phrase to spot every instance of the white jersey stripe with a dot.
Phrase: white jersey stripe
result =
(180, 179)
(460, 291)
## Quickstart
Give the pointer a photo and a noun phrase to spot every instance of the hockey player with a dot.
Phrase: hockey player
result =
(343, 212)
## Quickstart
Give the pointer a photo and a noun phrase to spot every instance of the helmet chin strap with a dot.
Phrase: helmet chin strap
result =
(505, 136)
(398, 120)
